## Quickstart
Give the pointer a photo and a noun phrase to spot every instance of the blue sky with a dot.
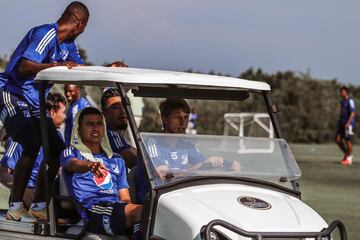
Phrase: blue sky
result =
(227, 36)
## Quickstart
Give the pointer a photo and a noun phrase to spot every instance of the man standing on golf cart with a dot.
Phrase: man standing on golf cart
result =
(346, 126)
(96, 178)
(43, 47)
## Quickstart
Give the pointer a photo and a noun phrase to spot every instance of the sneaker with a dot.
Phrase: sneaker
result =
(347, 161)
(39, 214)
(20, 215)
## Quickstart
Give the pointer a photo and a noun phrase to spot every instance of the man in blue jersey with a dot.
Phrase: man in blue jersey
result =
(175, 153)
(56, 107)
(346, 126)
(42, 47)
(97, 178)
(76, 103)
(116, 121)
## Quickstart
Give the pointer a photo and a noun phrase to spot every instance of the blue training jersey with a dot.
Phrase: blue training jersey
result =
(88, 189)
(117, 142)
(180, 156)
(74, 107)
(39, 45)
(12, 154)
(347, 107)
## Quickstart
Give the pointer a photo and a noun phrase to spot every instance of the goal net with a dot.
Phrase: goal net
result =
(249, 125)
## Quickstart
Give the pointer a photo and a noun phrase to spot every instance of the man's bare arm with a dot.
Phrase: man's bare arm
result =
(124, 195)
(81, 166)
(352, 115)
(28, 67)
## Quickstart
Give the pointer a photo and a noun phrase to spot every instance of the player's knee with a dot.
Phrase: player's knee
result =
(134, 213)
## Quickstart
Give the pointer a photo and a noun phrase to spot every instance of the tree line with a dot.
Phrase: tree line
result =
(309, 107)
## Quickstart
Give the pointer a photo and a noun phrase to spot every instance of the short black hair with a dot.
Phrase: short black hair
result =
(76, 10)
(108, 93)
(88, 111)
(170, 104)
(53, 100)
(345, 89)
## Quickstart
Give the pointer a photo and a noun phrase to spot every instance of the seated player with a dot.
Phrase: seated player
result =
(116, 121)
(176, 154)
(179, 154)
(96, 178)
(56, 107)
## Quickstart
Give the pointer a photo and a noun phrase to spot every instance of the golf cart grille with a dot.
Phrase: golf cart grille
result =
(208, 232)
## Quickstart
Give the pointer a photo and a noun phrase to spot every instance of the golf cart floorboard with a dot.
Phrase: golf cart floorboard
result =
(7, 235)
(21, 230)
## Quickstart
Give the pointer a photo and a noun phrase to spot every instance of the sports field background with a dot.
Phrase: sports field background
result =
(331, 189)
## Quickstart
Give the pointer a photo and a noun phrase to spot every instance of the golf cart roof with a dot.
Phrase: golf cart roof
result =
(137, 77)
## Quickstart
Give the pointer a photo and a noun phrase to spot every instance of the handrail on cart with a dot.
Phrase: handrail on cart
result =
(326, 232)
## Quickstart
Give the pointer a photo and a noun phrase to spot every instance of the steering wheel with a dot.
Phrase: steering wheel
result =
(225, 167)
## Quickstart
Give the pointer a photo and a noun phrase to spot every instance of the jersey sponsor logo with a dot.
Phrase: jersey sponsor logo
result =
(104, 182)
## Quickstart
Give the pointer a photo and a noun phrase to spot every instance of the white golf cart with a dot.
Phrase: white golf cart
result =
(259, 201)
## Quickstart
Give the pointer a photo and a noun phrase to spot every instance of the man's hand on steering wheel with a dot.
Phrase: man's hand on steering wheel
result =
(215, 161)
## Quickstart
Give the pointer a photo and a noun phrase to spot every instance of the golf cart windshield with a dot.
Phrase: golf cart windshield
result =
(176, 157)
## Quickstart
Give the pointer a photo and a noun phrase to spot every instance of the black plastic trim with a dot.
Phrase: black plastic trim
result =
(209, 94)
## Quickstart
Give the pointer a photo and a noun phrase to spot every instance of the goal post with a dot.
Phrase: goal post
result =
(249, 125)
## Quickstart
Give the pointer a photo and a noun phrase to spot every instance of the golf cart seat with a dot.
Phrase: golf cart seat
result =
(67, 202)
(131, 178)
(64, 191)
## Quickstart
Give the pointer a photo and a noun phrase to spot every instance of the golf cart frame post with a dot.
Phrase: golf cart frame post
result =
(135, 132)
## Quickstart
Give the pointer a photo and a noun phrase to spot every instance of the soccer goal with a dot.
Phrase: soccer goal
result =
(250, 125)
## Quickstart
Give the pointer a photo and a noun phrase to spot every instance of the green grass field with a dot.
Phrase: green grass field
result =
(331, 189)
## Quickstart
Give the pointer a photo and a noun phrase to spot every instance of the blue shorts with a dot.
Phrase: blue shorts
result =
(22, 124)
(15, 113)
(346, 133)
(107, 219)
